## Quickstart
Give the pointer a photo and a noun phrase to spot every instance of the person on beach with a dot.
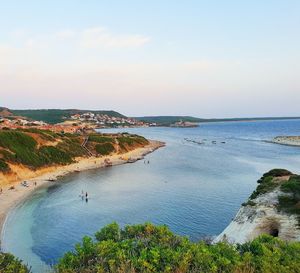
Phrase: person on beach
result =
(0, 190)
(86, 197)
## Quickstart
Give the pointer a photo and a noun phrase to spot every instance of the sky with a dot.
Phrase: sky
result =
(205, 58)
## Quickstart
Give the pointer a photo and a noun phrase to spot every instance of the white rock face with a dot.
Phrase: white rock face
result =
(262, 218)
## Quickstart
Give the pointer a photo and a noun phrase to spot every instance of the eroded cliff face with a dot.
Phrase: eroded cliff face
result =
(266, 214)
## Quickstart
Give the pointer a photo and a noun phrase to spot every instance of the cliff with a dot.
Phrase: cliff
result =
(32, 151)
(273, 208)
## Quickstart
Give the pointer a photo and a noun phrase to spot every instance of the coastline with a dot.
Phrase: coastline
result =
(9, 199)
(287, 140)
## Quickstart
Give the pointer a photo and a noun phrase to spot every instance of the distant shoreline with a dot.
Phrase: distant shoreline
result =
(9, 199)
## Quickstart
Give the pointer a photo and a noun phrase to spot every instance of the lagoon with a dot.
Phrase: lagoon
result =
(194, 189)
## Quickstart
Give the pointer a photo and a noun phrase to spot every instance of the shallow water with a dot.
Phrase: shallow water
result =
(194, 189)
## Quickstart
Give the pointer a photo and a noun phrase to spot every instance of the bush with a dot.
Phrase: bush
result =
(266, 184)
(290, 203)
(147, 248)
(4, 166)
(105, 148)
(9, 264)
(278, 173)
(100, 139)
(54, 156)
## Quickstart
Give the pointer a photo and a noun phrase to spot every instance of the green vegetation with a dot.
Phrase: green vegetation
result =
(168, 120)
(55, 155)
(290, 203)
(3, 166)
(278, 173)
(148, 248)
(100, 138)
(131, 140)
(20, 147)
(72, 146)
(45, 134)
(105, 148)
(249, 203)
(267, 182)
(36, 148)
(57, 115)
(9, 264)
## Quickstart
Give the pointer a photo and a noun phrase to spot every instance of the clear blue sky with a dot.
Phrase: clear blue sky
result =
(156, 57)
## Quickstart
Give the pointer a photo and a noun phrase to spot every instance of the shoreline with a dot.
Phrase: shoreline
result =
(9, 199)
(287, 140)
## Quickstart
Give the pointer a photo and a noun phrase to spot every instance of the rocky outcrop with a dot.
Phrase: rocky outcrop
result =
(263, 213)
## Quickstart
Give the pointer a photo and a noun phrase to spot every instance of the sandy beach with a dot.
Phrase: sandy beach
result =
(9, 198)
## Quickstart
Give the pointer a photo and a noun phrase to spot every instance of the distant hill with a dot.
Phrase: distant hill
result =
(168, 120)
(53, 116)
(5, 112)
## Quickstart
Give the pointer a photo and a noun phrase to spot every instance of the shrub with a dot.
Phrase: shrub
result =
(100, 139)
(4, 166)
(54, 155)
(290, 203)
(266, 184)
(277, 173)
(147, 248)
(9, 264)
(105, 148)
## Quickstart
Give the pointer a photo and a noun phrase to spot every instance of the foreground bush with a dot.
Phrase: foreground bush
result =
(148, 248)
(9, 264)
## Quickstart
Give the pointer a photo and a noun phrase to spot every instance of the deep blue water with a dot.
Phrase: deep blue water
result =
(194, 189)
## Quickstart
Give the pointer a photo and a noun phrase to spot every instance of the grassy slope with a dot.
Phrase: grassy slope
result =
(57, 115)
(38, 148)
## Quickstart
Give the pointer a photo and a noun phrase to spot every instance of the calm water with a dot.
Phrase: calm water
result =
(194, 189)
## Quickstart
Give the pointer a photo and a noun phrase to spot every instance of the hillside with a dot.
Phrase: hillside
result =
(53, 116)
(273, 208)
(168, 120)
(33, 149)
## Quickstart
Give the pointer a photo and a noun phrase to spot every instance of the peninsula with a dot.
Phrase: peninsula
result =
(273, 208)
(287, 140)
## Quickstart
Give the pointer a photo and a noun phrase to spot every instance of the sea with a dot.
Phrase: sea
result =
(194, 185)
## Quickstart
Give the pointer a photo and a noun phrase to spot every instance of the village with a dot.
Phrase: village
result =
(77, 123)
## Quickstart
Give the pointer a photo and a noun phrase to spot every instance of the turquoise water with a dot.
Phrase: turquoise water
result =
(194, 189)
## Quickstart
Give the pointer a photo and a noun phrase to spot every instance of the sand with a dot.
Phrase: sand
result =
(45, 176)
(287, 140)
